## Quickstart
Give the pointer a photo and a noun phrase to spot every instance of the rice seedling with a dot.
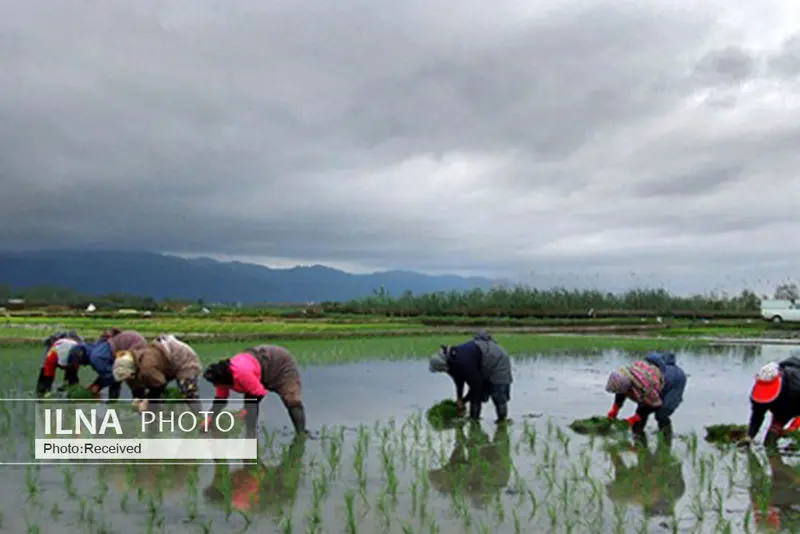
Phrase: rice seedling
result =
(443, 414)
(725, 433)
(596, 425)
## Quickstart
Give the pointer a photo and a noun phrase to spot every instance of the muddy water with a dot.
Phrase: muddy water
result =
(537, 476)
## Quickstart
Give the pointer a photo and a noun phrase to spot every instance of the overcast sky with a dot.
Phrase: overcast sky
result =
(580, 140)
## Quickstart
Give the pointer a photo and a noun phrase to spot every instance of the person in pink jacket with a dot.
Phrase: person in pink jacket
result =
(253, 373)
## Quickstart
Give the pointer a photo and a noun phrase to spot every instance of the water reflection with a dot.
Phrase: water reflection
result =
(775, 496)
(260, 488)
(655, 481)
(478, 466)
(150, 478)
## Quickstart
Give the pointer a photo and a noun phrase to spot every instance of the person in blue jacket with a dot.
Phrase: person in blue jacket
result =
(100, 356)
(670, 395)
(484, 366)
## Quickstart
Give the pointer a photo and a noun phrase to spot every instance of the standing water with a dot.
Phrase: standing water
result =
(375, 464)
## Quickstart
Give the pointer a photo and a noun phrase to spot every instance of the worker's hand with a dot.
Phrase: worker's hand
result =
(142, 405)
(632, 420)
(460, 407)
(612, 413)
(94, 388)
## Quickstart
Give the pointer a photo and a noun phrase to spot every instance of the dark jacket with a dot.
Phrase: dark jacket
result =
(100, 356)
(464, 366)
(786, 406)
(495, 362)
(674, 380)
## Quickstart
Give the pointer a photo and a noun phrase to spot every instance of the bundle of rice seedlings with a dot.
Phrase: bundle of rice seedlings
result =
(598, 426)
(79, 392)
(725, 433)
(443, 415)
(173, 393)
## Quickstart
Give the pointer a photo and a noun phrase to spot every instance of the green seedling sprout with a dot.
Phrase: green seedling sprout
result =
(31, 526)
(697, 508)
(534, 504)
(748, 517)
(82, 509)
(352, 522)
(32, 482)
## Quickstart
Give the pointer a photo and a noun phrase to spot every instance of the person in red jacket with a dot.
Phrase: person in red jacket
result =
(57, 349)
(254, 373)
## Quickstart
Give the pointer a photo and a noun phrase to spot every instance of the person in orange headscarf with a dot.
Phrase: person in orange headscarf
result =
(776, 390)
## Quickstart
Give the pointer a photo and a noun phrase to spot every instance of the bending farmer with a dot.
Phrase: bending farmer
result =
(776, 390)
(100, 356)
(254, 373)
(656, 384)
(147, 370)
(484, 366)
(57, 348)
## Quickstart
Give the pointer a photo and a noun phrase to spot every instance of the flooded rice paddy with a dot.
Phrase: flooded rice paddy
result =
(375, 464)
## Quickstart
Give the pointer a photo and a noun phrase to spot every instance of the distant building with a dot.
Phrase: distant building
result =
(15, 304)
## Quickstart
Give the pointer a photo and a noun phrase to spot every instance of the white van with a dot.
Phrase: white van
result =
(780, 310)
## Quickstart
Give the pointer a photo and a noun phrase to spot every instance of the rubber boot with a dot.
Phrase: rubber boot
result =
(113, 391)
(502, 412)
(44, 383)
(638, 432)
(665, 429)
(71, 376)
(475, 410)
(298, 416)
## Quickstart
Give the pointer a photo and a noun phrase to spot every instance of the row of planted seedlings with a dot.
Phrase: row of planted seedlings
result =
(406, 477)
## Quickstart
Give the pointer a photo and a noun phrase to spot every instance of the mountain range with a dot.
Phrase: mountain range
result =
(98, 272)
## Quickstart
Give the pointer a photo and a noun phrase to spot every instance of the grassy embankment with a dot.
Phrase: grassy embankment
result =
(532, 333)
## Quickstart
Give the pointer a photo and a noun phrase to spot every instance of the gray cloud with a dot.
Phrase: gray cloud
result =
(590, 139)
(787, 61)
(730, 65)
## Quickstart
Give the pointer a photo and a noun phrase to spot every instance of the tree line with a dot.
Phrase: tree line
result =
(520, 301)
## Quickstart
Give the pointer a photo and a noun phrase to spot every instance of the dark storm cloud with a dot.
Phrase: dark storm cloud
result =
(695, 182)
(415, 135)
(730, 65)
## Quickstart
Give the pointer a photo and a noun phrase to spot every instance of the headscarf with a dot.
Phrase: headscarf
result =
(79, 354)
(618, 382)
(219, 373)
(768, 383)
(438, 363)
(124, 367)
(645, 383)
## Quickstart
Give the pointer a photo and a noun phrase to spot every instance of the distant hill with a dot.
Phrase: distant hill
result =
(161, 276)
